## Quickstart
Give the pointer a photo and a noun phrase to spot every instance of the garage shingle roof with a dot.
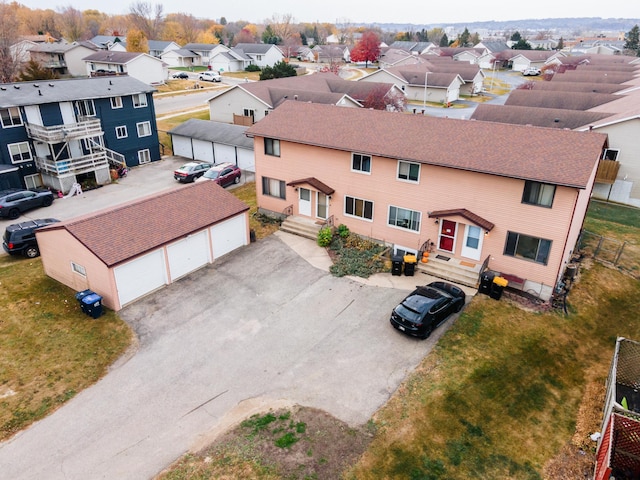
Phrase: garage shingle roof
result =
(560, 157)
(125, 231)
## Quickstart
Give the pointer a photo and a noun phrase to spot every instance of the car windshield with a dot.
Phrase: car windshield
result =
(212, 174)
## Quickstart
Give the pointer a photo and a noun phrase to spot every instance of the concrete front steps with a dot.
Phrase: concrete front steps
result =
(303, 227)
(452, 270)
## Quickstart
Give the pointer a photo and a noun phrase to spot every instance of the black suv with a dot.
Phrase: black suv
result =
(20, 238)
(15, 201)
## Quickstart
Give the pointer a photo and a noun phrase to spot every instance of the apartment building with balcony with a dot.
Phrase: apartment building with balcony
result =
(56, 133)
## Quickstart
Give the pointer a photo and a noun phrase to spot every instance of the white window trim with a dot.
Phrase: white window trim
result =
(408, 180)
(139, 124)
(12, 125)
(607, 150)
(373, 206)
(363, 172)
(122, 128)
(79, 269)
(24, 159)
(141, 154)
(116, 102)
(403, 228)
(142, 98)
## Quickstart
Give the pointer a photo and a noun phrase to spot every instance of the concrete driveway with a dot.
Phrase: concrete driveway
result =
(260, 328)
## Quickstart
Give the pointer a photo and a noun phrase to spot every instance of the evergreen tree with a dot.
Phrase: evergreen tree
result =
(560, 44)
(279, 70)
(632, 40)
(463, 38)
(516, 37)
(444, 41)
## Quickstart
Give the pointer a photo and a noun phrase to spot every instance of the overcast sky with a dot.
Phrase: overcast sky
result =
(367, 11)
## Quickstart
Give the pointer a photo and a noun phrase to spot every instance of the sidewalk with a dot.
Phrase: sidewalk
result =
(319, 258)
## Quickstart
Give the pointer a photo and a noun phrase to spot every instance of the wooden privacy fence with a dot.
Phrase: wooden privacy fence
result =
(623, 255)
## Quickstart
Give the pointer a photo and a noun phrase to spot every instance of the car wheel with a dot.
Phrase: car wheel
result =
(31, 252)
(13, 213)
(47, 201)
(459, 306)
(428, 332)
(236, 180)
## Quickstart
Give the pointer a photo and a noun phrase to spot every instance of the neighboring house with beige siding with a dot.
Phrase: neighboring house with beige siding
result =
(499, 196)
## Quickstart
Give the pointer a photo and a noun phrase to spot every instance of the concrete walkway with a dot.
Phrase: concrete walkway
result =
(319, 258)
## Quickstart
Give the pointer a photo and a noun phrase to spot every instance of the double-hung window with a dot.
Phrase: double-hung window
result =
(408, 171)
(139, 100)
(20, 152)
(121, 132)
(144, 129)
(404, 218)
(536, 193)
(274, 187)
(530, 248)
(10, 117)
(272, 147)
(357, 207)
(116, 102)
(360, 163)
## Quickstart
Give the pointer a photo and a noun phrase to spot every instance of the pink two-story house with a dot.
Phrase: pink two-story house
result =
(505, 197)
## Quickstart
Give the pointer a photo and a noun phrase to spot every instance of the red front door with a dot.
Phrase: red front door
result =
(447, 235)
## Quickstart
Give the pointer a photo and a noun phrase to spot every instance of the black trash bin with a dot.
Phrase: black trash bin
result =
(486, 280)
(410, 262)
(396, 265)
(497, 287)
(92, 305)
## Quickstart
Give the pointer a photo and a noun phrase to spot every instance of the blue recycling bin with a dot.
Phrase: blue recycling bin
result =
(90, 303)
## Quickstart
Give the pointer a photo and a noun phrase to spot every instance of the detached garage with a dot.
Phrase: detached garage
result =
(213, 142)
(128, 251)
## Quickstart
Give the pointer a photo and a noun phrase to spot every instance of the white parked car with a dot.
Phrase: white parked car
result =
(210, 76)
(531, 71)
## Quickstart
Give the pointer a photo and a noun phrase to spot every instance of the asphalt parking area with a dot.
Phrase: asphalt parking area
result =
(261, 325)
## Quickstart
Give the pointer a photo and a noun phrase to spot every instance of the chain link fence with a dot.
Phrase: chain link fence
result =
(623, 255)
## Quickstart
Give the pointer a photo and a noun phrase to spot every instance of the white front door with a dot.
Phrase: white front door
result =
(304, 202)
(472, 243)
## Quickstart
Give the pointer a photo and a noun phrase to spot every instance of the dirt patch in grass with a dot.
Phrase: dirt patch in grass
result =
(295, 443)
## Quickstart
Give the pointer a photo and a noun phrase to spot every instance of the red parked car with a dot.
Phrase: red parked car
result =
(223, 174)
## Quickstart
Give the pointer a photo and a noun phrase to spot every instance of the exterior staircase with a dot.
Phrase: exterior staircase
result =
(452, 270)
(301, 226)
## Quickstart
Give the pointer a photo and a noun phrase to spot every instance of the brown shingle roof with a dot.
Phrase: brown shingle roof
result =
(464, 213)
(125, 231)
(578, 87)
(315, 183)
(514, 151)
(316, 88)
(539, 117)
(593, 76)
(555, 99)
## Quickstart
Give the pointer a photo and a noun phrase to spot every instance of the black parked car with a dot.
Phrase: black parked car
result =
(14, 201)
(182, 75)
(20, 238)
(190, 171)
(426, 308)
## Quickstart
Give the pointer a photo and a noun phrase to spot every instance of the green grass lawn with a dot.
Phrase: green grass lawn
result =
(49, 349)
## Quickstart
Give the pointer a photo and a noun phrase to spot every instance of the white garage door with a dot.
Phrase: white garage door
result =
(229, 235)
(202, 150)
(246, 160)
(188, 254)
(182, 146)
(224, 153)
(140, 276)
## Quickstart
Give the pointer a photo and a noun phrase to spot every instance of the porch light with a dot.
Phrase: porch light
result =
(486, 232)
(437, 221)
